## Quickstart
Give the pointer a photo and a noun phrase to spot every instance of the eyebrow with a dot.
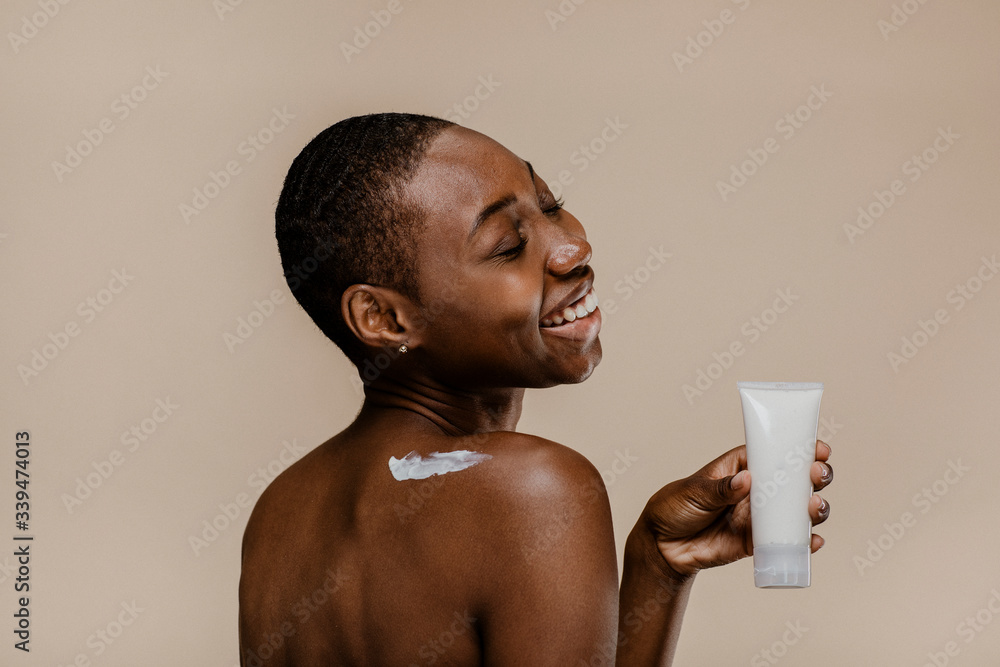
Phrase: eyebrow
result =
(499, 204)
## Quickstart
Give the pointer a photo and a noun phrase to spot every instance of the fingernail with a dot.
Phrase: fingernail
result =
(824, 507)
(738, 481)
(827, 473)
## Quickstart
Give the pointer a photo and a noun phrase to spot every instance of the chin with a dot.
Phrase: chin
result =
(581, 367)
(596, 359)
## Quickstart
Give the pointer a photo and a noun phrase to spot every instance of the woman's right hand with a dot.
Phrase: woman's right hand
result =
(703, 520)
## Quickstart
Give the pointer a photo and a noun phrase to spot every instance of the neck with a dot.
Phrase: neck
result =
(453, 411)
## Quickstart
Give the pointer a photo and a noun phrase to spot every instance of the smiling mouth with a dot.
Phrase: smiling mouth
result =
(578, 310)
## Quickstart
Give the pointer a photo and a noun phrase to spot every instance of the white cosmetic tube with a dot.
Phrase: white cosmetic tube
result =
(780, 420)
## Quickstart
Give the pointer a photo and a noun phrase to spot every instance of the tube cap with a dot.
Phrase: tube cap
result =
(781, 566)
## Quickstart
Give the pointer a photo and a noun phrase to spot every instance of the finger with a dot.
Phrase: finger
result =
(816, 543)
(713, 495)
(740, 483)
(730, 490)
(821, 475)
(823, 451)
(819, 509)
(729, 463)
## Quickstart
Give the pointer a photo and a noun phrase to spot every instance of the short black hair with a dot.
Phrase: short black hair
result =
(342, 219)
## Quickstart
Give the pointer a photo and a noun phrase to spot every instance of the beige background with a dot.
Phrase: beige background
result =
(554, 86)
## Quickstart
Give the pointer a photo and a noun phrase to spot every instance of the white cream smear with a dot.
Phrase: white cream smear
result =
(414, 466)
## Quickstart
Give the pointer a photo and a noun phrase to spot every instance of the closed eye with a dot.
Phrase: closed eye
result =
(554, 208)
(508, 255)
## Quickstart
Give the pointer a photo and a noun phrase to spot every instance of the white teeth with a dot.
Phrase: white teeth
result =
(585, 306)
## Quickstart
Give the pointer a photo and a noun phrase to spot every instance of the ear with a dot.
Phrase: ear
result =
(380, 317)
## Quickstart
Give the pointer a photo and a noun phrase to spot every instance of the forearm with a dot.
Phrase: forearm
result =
(651, 604)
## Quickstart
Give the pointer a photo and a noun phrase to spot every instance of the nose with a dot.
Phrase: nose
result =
(570, 252)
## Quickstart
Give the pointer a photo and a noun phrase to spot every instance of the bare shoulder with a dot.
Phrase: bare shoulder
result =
(270, 514)
(529, 469)
(540, 496)
(546, 554)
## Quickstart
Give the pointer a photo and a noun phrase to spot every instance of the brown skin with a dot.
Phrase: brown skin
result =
(509, 562)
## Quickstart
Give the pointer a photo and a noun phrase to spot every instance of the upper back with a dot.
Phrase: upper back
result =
(345, 565)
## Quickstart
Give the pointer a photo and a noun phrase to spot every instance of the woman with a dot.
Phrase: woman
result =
(429, 531)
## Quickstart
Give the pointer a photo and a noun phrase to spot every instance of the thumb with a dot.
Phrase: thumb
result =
(717, 494)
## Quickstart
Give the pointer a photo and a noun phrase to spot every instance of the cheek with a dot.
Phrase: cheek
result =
(504, 309)
(511, 302)
(500, 308)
